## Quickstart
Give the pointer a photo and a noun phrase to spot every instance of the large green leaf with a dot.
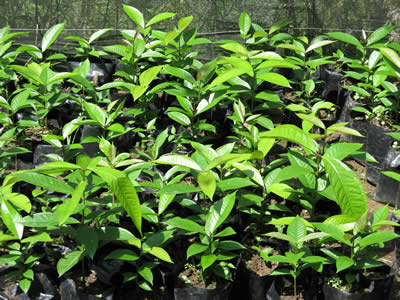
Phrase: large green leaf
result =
(68, 261)
(218, 213)
(391, 55)
(160, 17)
(292, 134)
(124, 190)
(349, 192)
(207, 183)
(379, 34)
(159, 253)
(20, 201)
(346, 38)
(11, 218)
(178, 160)
(44, 181)
(96, 35)
(96, 113)
(67, 208)
(225, 76)
(87, 236)
(185, 224)
(149, 75)
(180, 73)
(343, 262)
(297, 229)
(51, 35)
(275, 78)
(206, 261)
(135, 15)
(377, 238)
(234, 157)
(244, 23)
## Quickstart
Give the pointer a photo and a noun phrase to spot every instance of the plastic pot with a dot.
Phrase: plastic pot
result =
(352, 117)
(100, 72)
(187, 292)
(332, 90)
(377, 288)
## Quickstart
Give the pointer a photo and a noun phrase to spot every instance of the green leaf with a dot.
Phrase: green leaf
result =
(184, 22)
(111, 233)
(98, 34)
(195, 249)
(391, 55)
(185, 224)
(87, 236)
(318, 44)
(281, 236)
(40, 220)
(51, 35)
(67, 208)
(230, 245)
(225, 76)
(225, 232)
(244, 24)
(207, 183)
(378, 237)
(293, 134)
(125, 192)
(21, 101)
(96, 113)
(340, 127)
(41, 237)
(312, 119)
(349, 192)
(346, 38)
(333, 230)
(25, 284)
(357, 89)
(234, 157)
(180, 73)
(278, 25)
(160, 17)
(20, 201)
(179, 117)
(297, 229)
(149, 75)
(207, 261)
(135, 15)
(165, 200)
(218, 213)
(178, 160)
(379, 34)
(342, 150)
(11, 218)
(68, 261)
(275, 78)
(123, 254)
(44, 181)
(159, 253)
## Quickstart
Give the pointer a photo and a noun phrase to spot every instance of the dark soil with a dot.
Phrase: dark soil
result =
(258, 265)
(191, 275)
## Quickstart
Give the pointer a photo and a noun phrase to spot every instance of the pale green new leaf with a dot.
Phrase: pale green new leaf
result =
(275, 78)
(51, 35)
(207, 183)
(160, 17)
